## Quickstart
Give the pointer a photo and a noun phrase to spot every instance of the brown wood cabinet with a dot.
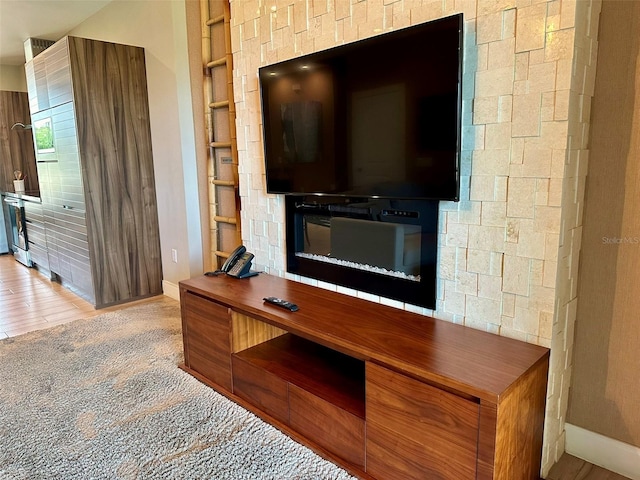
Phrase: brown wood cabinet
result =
(383, 392)
(96, 177)
(16, 146)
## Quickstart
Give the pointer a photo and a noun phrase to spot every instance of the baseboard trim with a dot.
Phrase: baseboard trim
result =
(614, 455)
(171, 290)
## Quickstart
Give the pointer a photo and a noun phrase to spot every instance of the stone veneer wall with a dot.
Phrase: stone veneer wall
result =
(509, 249)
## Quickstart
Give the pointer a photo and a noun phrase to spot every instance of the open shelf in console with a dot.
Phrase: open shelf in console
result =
(330, 375)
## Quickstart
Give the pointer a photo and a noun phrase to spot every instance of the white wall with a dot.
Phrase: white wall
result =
(160, 27)
(12, 78)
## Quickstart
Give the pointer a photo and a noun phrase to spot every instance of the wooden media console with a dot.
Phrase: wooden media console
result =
(382, 392)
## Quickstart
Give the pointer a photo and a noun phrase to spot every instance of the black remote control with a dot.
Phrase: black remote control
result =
(278, 302)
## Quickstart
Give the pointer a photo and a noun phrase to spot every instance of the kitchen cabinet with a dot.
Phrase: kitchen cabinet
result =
(89, 107)
(16, 145)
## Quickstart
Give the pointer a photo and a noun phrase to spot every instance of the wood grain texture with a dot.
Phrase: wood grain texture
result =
(268, 392)
(328, 425)
(433, 433)
(207, 338)
(16, 146)
(110, 92)
(419, 422)
(98, 186)
(466, 360)
(519, 427)
(248, 332)
(327, 374)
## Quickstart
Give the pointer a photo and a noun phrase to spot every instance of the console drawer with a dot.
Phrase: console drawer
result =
(207, 338)
(331, 427)
(417, 431)
(260, 388)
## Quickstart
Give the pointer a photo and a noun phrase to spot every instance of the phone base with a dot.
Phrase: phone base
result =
(250, 273)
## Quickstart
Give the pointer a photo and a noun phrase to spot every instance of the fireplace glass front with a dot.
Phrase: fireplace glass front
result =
(385, 247)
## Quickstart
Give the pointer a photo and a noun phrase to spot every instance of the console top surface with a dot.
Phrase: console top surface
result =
(470, 361)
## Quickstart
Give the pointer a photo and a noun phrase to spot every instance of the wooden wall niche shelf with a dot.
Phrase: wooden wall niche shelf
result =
(382, 392)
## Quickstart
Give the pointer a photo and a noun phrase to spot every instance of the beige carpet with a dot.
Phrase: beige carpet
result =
(104, 399)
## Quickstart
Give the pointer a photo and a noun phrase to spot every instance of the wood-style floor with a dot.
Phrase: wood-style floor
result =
(29, 301)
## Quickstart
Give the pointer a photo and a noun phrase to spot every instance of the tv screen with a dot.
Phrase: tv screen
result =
(375, 118)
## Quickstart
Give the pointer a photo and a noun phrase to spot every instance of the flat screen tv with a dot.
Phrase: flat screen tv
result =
(375, 118)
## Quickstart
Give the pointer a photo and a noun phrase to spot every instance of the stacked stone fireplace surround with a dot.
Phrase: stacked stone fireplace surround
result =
(508, 251)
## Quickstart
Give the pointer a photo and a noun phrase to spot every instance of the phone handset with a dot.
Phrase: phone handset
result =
(232, 259)
(238, 264)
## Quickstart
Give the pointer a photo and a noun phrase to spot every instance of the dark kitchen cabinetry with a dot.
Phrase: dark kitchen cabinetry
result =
(90, 114)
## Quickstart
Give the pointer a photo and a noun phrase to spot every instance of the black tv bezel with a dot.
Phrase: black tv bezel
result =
(365, 43)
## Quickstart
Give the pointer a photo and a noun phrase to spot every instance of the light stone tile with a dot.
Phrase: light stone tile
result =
(494, 214)
(447, 262)
(550, 271)
(509, 23)
(486, 238)
(536, 273)
(508, 305)
(516, 275)
(526, 321)
(469, 212)
(548, 107)
(490, 6)
(505, 108)
(497, 259)
(490, 287)
(495, 82)
(485, 110)
(521, 197)
(547, 219)
(517, 150)
(521, 87)
(482, 188)
(555, 192)
(537, 161)
(526, 115)
(562, 105)
(531, 244)
(480, 311)
(542, 191)
(501, 189)
(513, 333)
(542, 77)
(536, 56)
(558, 163)
(392, 303)
(522, 66)
(491, 162)
(498, 136)
(482, 57)
(467, 283)
(454, 302)
(457, 235)
(559, 45)
(473, 137)
(478, 261)
(489, 27)
(530, 28)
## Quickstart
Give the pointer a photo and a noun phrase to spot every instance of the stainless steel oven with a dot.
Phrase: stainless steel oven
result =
(18, 241)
